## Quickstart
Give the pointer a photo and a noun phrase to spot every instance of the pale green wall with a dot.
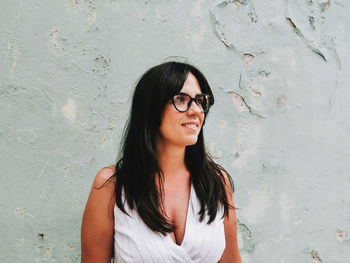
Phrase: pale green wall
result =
(280, 124)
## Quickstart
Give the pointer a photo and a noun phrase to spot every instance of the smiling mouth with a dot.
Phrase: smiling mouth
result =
(191, 126)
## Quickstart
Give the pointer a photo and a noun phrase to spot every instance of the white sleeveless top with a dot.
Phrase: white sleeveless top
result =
(135, 242)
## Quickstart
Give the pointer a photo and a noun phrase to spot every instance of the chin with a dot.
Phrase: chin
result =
(191, 142)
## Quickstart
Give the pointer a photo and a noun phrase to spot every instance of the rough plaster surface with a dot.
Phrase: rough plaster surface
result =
(280, 125)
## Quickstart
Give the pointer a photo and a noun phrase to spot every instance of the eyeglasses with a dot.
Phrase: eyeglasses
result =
(182, 102)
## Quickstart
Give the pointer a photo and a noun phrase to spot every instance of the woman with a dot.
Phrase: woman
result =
(165, 200)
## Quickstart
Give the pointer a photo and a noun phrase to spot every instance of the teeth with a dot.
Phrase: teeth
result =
(193, 126)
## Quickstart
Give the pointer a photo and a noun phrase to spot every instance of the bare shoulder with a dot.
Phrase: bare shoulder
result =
(104, 178)
(102, 190)
(98, 220)
(101, 199)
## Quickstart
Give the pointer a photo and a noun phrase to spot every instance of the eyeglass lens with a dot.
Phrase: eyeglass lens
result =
(182, 102)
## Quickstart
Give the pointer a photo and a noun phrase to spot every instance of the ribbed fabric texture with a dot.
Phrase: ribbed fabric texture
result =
(135, 242)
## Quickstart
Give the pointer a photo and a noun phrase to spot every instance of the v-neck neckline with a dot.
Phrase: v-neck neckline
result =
(186, 221)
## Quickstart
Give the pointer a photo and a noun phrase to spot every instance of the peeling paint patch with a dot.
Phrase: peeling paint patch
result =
(308, 42)
(20, 211)
(307, 20)
(74, 3)
(69, 110)
(290, 22)
(295, 28)
(105, 61)
(324, 6)
(241, 13)
(281, 101)
(238, 101)
(240, 104)
(40, 236)
(314, 255)
(341, 235)
(71, 247)
(218, 29)
(246, 235)
(248, 59)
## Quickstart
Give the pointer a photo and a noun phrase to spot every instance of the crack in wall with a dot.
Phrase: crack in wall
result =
(306, 41)
(218, 26)
(218, 31)
(301, 13)
(241, 105)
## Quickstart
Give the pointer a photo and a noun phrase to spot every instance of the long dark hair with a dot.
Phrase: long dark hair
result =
(138, 167)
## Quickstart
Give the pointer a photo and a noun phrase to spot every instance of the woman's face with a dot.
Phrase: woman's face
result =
(182, 128)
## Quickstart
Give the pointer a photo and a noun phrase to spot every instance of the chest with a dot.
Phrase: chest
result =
(176, 205)
(201, 243)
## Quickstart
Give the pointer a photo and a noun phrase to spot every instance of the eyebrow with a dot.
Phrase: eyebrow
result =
(189, 94)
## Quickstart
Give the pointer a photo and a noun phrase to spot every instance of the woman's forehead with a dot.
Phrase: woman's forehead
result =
(191, 85)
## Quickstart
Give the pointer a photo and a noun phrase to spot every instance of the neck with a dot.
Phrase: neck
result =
(171, 159)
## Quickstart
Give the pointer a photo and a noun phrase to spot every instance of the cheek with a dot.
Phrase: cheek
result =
(202, 119)
(169, 123)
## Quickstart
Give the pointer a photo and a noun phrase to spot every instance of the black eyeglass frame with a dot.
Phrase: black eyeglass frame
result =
(195, 99)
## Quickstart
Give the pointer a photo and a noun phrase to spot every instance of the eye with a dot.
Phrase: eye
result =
(202, 99)
(179, 98)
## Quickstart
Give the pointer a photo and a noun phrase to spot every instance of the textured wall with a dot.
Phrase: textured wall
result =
(280, 125)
